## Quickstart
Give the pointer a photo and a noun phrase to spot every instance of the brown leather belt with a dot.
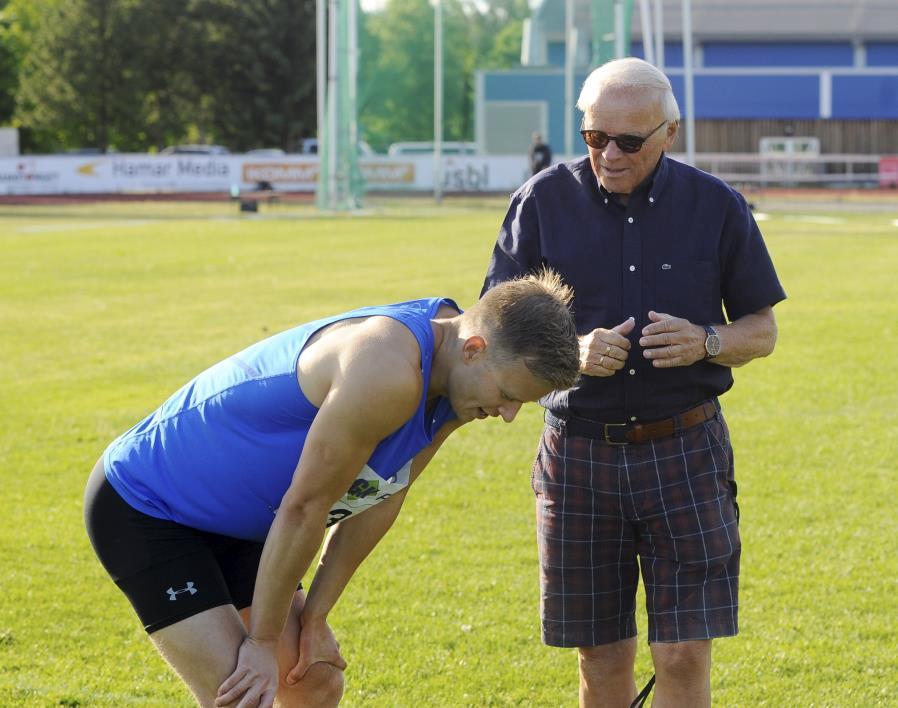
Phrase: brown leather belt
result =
(624, 433)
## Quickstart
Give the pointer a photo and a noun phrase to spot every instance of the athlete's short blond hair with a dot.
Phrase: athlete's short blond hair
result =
(530, 318)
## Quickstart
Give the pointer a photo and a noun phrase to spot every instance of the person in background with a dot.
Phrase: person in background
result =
(634, 472)
(540, 154)
(209, 511)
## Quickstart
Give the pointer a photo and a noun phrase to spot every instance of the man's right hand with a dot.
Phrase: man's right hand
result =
(604, 351)
(255, 680)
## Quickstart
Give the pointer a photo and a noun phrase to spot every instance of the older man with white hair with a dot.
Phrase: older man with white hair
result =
(634, 470)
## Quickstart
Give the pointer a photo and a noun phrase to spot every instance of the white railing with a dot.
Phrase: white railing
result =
(791, 170)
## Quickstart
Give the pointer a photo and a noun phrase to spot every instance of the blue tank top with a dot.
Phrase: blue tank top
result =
(219, 454)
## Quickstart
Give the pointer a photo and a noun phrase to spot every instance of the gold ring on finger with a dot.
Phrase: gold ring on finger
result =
(602, 360)
(608, 349)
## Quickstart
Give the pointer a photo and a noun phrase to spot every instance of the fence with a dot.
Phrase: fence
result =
(835, 170)
(122, 174)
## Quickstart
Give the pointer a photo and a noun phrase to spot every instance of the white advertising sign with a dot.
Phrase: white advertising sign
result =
(134, 173)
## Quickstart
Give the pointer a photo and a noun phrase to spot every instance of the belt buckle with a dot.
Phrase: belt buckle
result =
(607, 434)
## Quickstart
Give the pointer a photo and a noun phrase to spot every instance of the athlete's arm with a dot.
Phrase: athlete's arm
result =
(341, 439)
(348, 544)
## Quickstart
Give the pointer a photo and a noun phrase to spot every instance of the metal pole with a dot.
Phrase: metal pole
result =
(438, 102)
(322, 198)
(618, 29)
(570, 57)
(333, 99)
(645, 18)
(320, 64)
(353, 73)
(688, 81)
(353, 191)
(659, 34)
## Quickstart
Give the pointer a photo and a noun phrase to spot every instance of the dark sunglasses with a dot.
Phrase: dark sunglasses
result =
(598, 139)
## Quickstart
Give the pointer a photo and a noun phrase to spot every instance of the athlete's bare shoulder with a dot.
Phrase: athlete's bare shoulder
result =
(379, 355)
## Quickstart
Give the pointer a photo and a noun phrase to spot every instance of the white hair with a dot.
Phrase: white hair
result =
(629, 73)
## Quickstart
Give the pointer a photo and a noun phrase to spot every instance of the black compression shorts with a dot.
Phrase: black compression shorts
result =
(168, 571)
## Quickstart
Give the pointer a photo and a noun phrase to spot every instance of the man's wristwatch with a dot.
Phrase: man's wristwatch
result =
(712, 342)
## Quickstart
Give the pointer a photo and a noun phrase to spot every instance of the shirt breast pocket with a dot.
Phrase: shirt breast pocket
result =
(688, 288)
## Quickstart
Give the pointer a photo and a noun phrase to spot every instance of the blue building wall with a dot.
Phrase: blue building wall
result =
(726, 87)
(738, 96)
(673, 53)
(555, 53)
(548, 87)
(865, 96)
(882, 54)
(780, 54)
(761, 54)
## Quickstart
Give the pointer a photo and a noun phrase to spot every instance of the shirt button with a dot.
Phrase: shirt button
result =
(651, 200)
(630, 219)
(632, 418)
(632, 268)
(606, 200)
(632, 372)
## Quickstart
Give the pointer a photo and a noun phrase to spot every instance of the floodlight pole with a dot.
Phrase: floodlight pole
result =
(333, 100)
(570, 59)
(320, 64)
(659, 35)
(321, 88)
(688, 76)
(353, 74)
(645, 18)
(619, 29)
(438, 101)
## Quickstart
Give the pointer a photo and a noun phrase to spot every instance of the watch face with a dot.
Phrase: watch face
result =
(712, 345)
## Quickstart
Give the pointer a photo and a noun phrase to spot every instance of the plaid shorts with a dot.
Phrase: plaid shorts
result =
(670, 502)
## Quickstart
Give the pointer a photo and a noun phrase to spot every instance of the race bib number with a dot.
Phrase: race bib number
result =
(368, 490)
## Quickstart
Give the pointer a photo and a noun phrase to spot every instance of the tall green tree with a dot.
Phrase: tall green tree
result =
(138, 74)
(396, 65)
(501, 31)
(9, 64)
(259, 71)
(78, 77)
(18, 25)
(169, 49)
(396, 74)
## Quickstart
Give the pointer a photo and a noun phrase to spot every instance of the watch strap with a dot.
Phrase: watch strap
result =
(710, 332)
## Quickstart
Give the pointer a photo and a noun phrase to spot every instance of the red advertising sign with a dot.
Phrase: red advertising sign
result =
(888, 171)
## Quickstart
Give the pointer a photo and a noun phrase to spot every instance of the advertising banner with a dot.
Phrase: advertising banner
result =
(137, 173)
(888, 171)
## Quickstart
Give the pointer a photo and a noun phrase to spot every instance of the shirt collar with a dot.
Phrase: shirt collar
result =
(650, 189)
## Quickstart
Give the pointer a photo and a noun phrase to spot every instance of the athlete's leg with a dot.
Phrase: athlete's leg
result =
(203, 649)
(323, 683)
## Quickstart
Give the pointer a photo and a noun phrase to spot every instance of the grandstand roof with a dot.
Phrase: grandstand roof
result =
(812, 20)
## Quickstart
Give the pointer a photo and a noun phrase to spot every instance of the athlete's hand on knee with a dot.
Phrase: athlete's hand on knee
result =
(255, 680)
(317, 643)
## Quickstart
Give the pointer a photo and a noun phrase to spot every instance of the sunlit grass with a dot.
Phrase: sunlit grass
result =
(105, 309)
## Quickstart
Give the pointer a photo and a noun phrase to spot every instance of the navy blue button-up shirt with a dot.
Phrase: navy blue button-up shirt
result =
(685, 244)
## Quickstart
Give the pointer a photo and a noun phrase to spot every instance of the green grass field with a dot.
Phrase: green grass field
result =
(106, 309)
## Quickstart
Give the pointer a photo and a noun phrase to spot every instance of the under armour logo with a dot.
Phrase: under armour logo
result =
(665, 266)
(173, 594)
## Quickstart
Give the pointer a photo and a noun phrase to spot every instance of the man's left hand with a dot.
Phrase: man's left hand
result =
(316, 643)
(672, 341)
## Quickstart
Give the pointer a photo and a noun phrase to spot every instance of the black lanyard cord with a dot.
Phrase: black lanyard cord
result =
(640, 700)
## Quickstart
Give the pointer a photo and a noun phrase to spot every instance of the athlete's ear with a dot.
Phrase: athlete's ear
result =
(473, 348)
